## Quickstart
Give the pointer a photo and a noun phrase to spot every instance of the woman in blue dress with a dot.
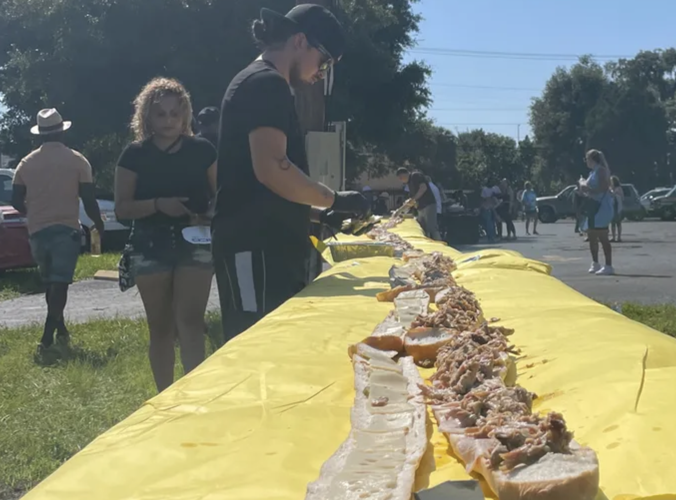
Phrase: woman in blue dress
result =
(599, 210)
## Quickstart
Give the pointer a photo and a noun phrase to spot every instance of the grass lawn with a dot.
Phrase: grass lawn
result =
(18, 282)
(661, 317)
(49, 413)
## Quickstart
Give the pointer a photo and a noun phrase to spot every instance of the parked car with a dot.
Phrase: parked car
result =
(553, 208)
(648, 198)
(665, 206)
(15, 250)
(116, 233)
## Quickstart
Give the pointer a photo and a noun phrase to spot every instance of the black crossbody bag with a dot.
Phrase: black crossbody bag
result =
(124, 266)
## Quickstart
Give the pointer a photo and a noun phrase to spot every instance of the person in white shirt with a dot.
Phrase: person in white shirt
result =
(488, 204)
(437, 195)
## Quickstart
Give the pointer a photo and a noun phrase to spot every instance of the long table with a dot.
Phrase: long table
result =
(260, 416)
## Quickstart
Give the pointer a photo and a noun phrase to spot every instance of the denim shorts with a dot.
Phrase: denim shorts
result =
(56, 249)
(163, 249)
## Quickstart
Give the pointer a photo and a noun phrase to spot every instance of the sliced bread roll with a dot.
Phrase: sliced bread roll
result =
(555, 476)
(388, 438)
(409, 305)
(388, 335)
(424, 343)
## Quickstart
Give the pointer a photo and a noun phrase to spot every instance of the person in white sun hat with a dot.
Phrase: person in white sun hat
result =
(46, 188)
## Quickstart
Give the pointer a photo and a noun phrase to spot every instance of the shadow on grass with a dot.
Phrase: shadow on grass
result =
(61, 354)
(20, 282)
(7, 493)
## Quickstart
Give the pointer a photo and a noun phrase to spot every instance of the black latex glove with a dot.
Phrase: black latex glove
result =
(333, 219)
(351, 202)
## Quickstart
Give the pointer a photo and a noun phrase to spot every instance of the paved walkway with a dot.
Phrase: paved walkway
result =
(645, 261)
(86, 300)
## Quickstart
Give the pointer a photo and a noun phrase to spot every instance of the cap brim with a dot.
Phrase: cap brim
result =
(271, 15)
(35, 130)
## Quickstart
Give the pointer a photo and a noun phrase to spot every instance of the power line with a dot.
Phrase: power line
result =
(483, 87)
(532, 56)
(476, 124)
(479, 109)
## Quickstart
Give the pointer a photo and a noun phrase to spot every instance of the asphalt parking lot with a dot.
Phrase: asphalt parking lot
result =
(645, 262)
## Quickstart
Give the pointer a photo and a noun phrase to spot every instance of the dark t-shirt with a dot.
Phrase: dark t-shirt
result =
(182, 174)
(252, 216)
(415, 180)
(211, 137)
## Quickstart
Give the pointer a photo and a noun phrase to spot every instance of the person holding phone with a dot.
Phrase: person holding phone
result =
(165, 182)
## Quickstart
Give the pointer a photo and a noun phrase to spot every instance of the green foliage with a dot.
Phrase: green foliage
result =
(625, 109)
(487, 158)
(90, 59)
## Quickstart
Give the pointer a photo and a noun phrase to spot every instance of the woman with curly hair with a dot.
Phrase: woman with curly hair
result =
(164, 182)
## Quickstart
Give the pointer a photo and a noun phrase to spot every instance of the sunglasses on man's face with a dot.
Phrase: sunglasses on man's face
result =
(327, 60)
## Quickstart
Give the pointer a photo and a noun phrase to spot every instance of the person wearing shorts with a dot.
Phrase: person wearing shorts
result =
(529, 201)
(599, 211)
(46, 188)
(165, 182)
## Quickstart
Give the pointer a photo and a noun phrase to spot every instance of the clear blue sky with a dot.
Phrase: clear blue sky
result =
(600, 27)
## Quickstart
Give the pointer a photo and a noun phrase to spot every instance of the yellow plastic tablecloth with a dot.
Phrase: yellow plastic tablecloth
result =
(258, 418)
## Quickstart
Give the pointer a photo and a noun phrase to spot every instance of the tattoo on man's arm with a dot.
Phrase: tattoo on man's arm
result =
(284, 163)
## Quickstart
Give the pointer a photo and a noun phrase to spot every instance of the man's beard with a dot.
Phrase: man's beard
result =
(294, 76)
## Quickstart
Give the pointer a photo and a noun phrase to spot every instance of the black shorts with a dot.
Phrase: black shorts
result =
(253, 283)
(591, 225)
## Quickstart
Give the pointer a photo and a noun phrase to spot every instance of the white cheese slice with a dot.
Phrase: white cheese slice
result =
(366, 441)
(392, 409)
(389, 379)
(377, 364)
(382, 423)
(353, 485)
(378, 392)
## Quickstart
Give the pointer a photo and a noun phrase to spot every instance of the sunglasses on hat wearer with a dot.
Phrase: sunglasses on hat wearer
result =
(328, 60)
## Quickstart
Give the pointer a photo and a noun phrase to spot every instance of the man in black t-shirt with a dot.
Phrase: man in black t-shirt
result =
(266, 199)
(423, 198)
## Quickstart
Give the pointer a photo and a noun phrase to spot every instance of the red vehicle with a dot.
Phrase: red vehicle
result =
(15, 251)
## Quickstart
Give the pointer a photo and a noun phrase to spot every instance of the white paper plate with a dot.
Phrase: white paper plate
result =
(197, 235)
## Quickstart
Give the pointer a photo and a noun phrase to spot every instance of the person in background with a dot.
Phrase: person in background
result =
(370, 196)
(422, 197)
(266, 199)
(578, 207)
(505, 209)
(381, 204)
(46, 187)
(487, 210)
(529, 200)
(599, 210)
(618, 205)
(207, 121)
(438, 197)
(164, 182)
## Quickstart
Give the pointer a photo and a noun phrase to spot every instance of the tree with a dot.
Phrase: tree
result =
(558, 118)
(486, 158)
(91, 58)
(626, 109)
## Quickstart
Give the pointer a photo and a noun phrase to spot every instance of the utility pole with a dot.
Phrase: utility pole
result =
(310, 98)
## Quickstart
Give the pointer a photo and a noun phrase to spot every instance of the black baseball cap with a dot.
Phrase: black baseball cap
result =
(208, 116)
(315, 22)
